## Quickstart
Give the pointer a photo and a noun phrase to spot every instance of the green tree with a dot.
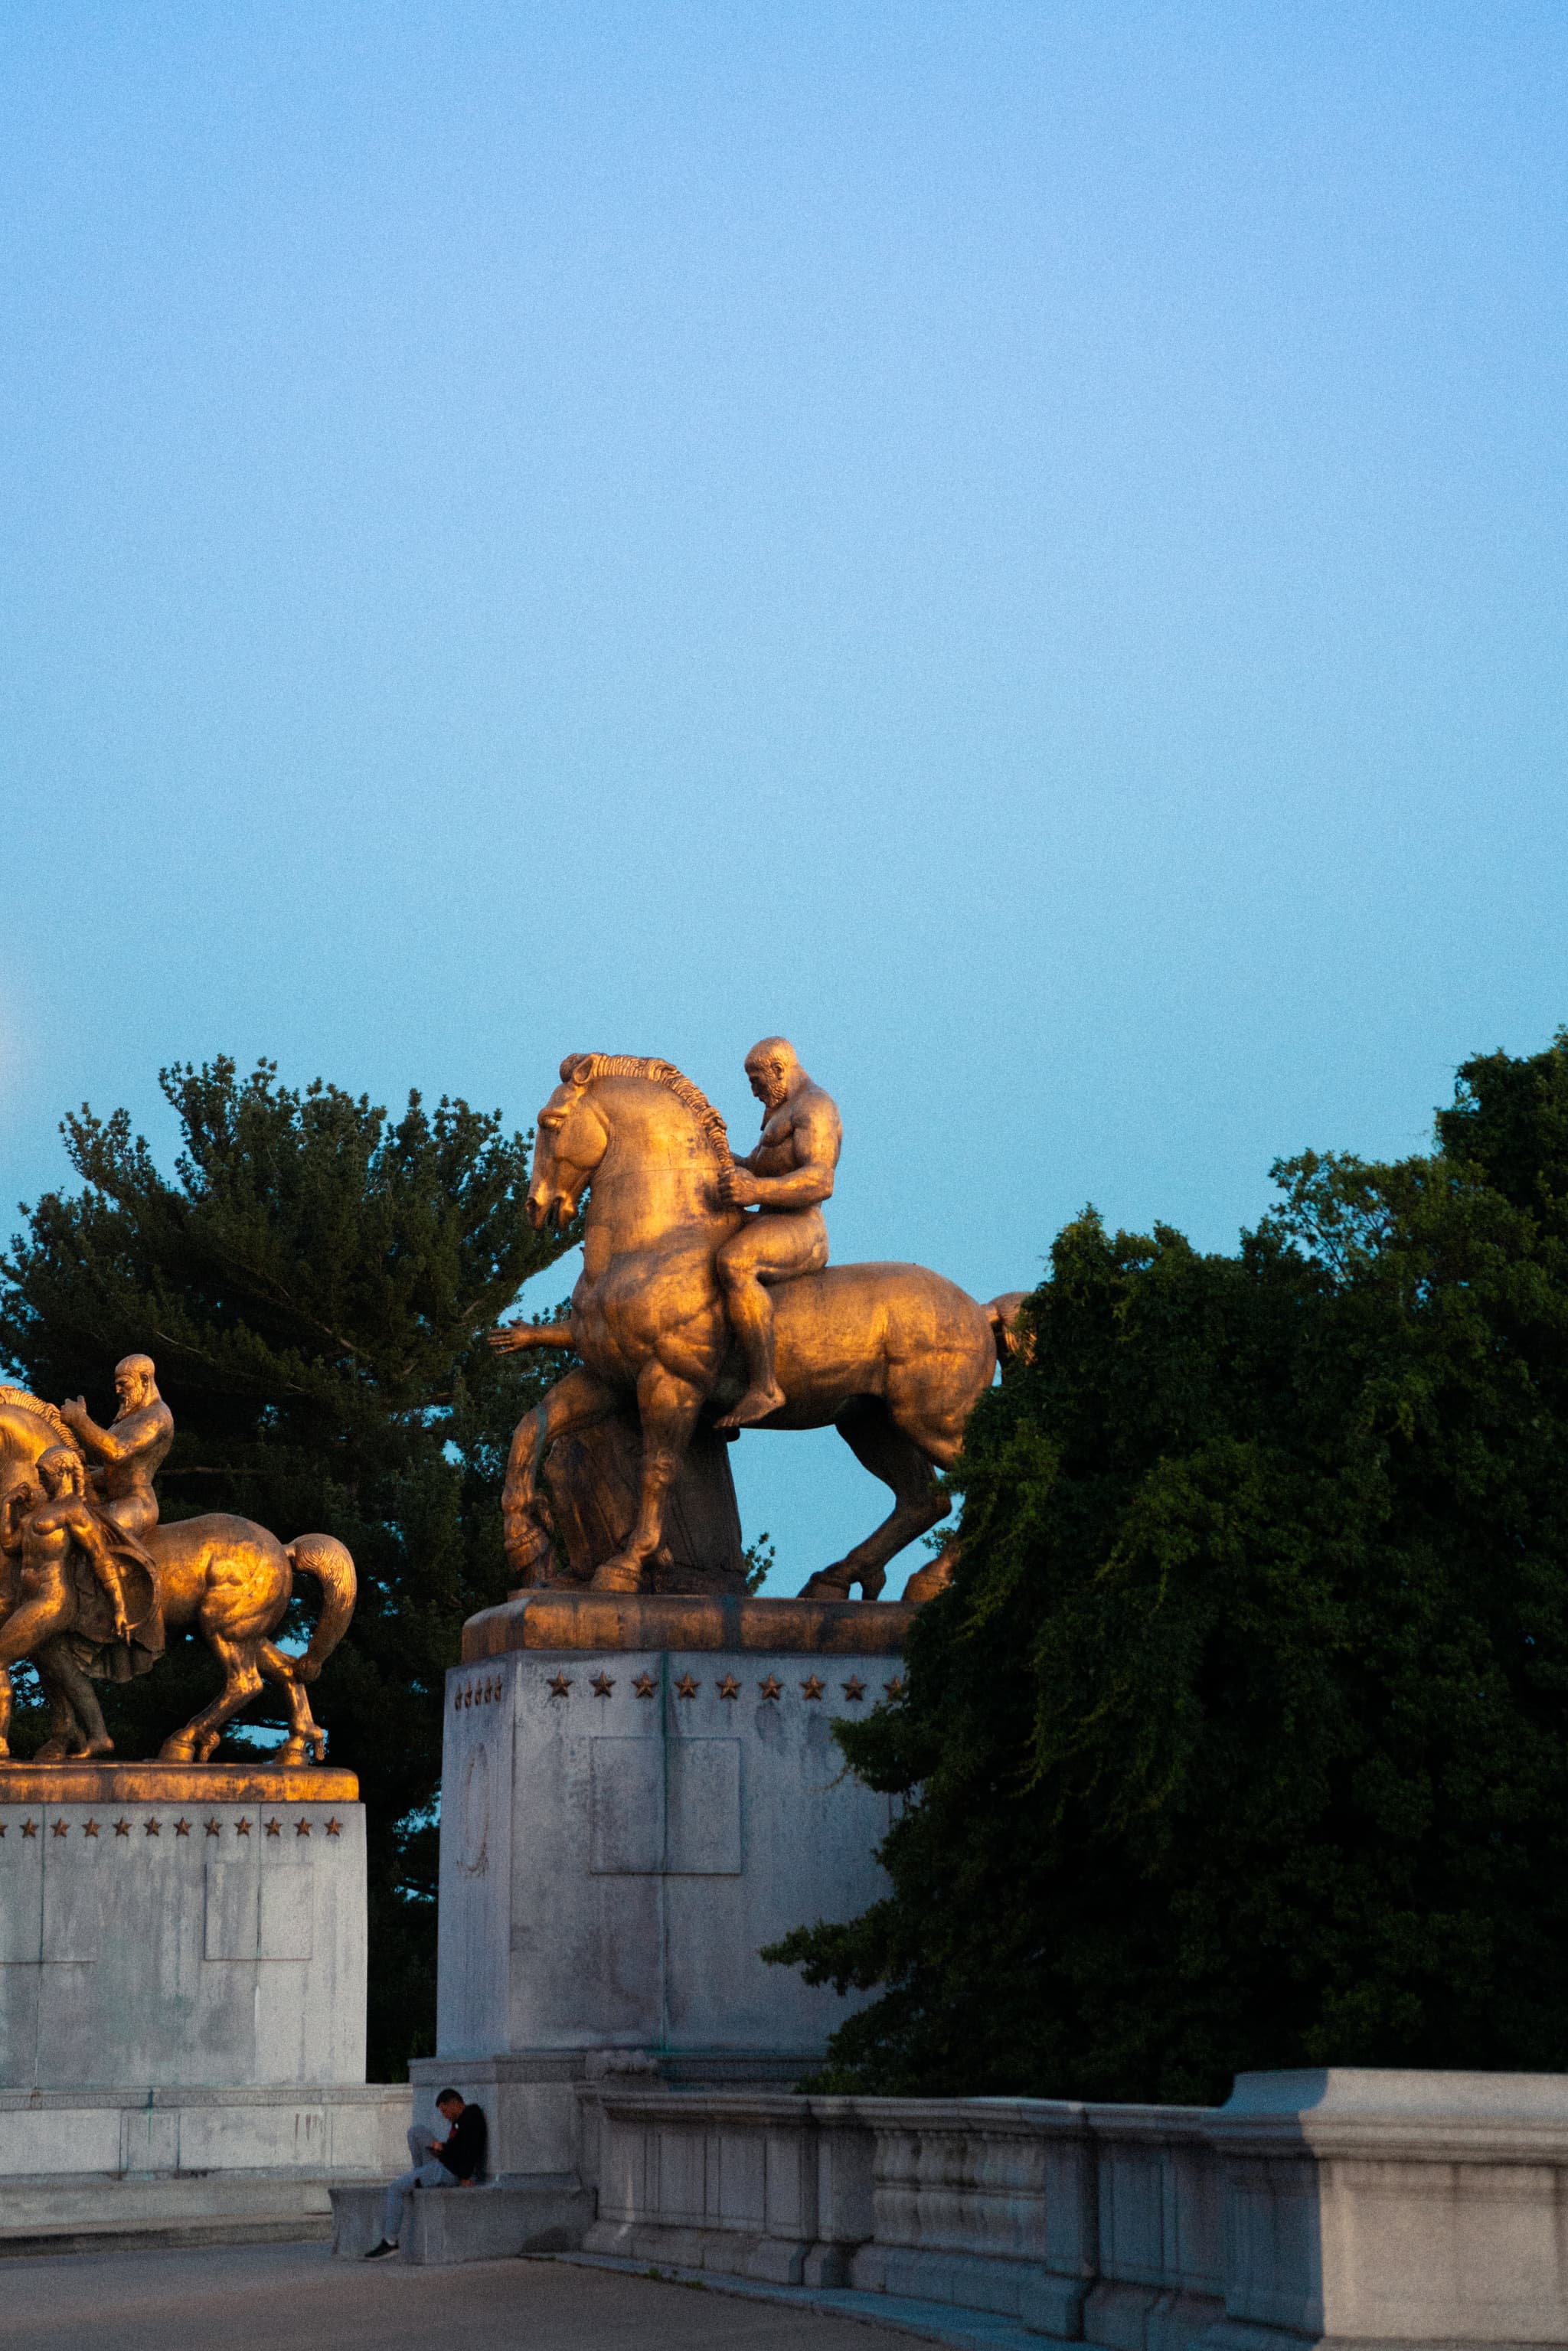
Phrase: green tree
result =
(1241, 1739)
(312, 1283)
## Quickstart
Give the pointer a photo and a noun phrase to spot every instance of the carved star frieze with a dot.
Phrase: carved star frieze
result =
(154, 1828)
(730, 1687)
(60, 1828)
(30, 1828)
(242, 1828)
(214, 1828)
(559, 1685)
(181, 1828)
(301, 1828)
(122, 1828)
(894, 1689)
(275, 1828)
(854, 1690)
(644, 1684)
(811, 1688)
(334, 1828)
(686, 1687)
(90, 1828)
(601, 1684)
(772, 1686)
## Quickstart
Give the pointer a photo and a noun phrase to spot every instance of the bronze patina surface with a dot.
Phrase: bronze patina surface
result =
(174, 1783)
(646, 1620)
(706, 1296)
(90, 1581)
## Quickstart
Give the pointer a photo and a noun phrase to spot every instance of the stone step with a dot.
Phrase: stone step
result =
(444, 2225)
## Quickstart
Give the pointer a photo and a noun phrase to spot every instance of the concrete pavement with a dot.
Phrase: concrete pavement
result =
(298, 2298)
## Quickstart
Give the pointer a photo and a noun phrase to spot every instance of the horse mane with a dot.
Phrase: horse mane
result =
(582, 1069)
(44, 1412)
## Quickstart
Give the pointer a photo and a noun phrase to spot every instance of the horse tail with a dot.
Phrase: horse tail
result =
(1013, 1344)
(328, 1559)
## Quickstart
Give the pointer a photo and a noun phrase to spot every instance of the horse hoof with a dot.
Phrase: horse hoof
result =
(826, 1584)
(618, 1576)
(293, 1753)
(927, 1581)
(177, 1751)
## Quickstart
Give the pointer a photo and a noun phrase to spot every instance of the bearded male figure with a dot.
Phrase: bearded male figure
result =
(787, 1177)
(128, 1455)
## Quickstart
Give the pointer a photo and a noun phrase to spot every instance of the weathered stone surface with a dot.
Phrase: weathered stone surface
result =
(621, 1834)
(483, 2223)
(555, 1618)
(153, 1942)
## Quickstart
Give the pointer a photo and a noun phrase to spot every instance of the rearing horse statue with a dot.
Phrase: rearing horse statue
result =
(893, 1356)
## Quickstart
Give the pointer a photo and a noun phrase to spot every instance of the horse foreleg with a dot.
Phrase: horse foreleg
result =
(241, 1682)
(575, 1402)
(667, 1408)
(306, 1736)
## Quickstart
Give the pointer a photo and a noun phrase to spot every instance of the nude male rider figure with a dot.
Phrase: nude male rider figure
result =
(787, 1177)
(131, 1453)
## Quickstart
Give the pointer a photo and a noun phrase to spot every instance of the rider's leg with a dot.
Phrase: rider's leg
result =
(667, 1410)
(574, 1402)
(766, 1248)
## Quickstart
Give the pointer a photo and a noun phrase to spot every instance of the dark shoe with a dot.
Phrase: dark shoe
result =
(379, 2253)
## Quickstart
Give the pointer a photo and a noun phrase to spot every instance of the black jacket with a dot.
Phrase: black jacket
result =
(464, 2151)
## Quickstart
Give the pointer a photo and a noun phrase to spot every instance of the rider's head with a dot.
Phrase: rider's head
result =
(134, 1384)
(61, 1472)
(772, 1067)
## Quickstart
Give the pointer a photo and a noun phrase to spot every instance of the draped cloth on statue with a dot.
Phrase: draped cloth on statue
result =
(92, 1639)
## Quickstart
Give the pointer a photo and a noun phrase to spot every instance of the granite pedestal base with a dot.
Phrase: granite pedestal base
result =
(182, 2000)
(638, 1793)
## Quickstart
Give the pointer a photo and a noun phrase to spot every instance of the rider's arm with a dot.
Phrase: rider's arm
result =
(816, 1136)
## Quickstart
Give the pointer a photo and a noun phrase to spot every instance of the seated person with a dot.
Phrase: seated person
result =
(455, 2161)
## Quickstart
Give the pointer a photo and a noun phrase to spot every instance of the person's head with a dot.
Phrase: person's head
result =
(61, 1472)
(134, 1384)
(450, 2103)
(772, 1067)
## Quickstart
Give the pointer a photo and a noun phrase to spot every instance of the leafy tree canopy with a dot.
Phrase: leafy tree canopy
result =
(1241, 1740)
(312, 1283)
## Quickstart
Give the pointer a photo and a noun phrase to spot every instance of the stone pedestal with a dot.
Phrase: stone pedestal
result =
(638, 1793)
(183, 1996)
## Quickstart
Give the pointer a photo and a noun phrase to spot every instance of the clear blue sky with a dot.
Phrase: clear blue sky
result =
(1023, 546)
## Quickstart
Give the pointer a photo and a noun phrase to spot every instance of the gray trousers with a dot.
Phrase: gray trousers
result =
(426, 2173)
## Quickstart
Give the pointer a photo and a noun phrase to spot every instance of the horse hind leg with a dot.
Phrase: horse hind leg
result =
(241, 1682)
(306, 1737)
(918, 1501)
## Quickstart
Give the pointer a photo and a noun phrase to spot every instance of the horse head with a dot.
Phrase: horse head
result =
(661, 1113)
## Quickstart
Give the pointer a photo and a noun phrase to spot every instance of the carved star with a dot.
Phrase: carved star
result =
(30, 1828)
(730, 1687)
(601, 1684)
(644, 1684)
(181, 1828)
(242, 1828)
(686, 1687)
(301, 1828)
(214, 1828)
(154, 1828)
(60, 1828)
(559, 1685)
(894, 1689)
(772, 1686)
(457, 1702)
(811, 1688)
(2, 1828)
(275, 1828)
(334, 1828)
(90, 1828)
(854, 1690)
(122, 1828)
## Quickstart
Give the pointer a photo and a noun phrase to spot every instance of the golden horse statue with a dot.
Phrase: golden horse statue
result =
(893, 1356)
(225, 1577)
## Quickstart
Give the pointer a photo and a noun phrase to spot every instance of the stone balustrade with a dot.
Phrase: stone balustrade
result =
(1359, 2207)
